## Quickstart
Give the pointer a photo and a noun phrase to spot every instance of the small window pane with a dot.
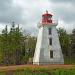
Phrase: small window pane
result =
(50, 41)
(49, 30)
(43, 17)
(51, 54)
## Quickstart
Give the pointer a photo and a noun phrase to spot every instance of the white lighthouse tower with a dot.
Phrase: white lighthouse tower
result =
(48, 49)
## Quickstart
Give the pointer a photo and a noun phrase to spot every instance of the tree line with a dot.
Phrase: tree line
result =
(67, 42)
(16, 48)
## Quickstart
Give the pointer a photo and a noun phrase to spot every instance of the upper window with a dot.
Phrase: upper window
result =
(50, 41)
(49, 31)
(49, 17)
(43, 17)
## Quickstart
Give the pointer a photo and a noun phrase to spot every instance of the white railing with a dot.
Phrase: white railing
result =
(54, 22)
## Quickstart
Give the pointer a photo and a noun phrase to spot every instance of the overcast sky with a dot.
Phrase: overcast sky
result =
(28, 13)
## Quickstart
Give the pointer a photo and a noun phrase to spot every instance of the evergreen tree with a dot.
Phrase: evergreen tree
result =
(14, 47)
(72, 53)
(11, 46)
(64, 41)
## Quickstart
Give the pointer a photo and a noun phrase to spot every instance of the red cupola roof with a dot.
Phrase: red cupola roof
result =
(46, 18)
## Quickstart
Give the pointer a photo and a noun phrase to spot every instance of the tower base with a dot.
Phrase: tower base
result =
(48, 63)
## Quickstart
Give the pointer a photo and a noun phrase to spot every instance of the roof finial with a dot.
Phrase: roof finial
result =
(46, 11)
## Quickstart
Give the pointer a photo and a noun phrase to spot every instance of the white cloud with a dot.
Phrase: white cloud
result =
(28, 13)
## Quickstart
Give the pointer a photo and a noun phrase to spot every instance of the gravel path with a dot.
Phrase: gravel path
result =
(13, 68)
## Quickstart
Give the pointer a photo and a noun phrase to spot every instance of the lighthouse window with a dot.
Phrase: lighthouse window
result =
(51, 54)
(49, 30)
(43, 17)
(50, 41)
(49, 17)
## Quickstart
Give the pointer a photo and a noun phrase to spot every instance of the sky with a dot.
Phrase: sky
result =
(27, 13)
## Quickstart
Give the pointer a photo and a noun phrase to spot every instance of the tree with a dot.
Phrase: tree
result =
(72, 36)
(10, 45)
(29, 44)
(64, 41)
(15, 48)
(4, 45)
(15, 44)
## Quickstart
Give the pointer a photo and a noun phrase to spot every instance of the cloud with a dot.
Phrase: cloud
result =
(64, 11)
(28, 13)
(63, 1)
(9, 12)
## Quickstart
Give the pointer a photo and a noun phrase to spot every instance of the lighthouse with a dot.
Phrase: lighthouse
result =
(48, 49)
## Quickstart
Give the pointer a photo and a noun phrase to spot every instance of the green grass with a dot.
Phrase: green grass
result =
(2, 73)
(43, 72)
(64, 72)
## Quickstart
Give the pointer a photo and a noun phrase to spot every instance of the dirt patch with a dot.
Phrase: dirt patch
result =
(20, 67)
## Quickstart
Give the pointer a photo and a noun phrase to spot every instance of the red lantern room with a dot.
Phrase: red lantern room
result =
(47, 18)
